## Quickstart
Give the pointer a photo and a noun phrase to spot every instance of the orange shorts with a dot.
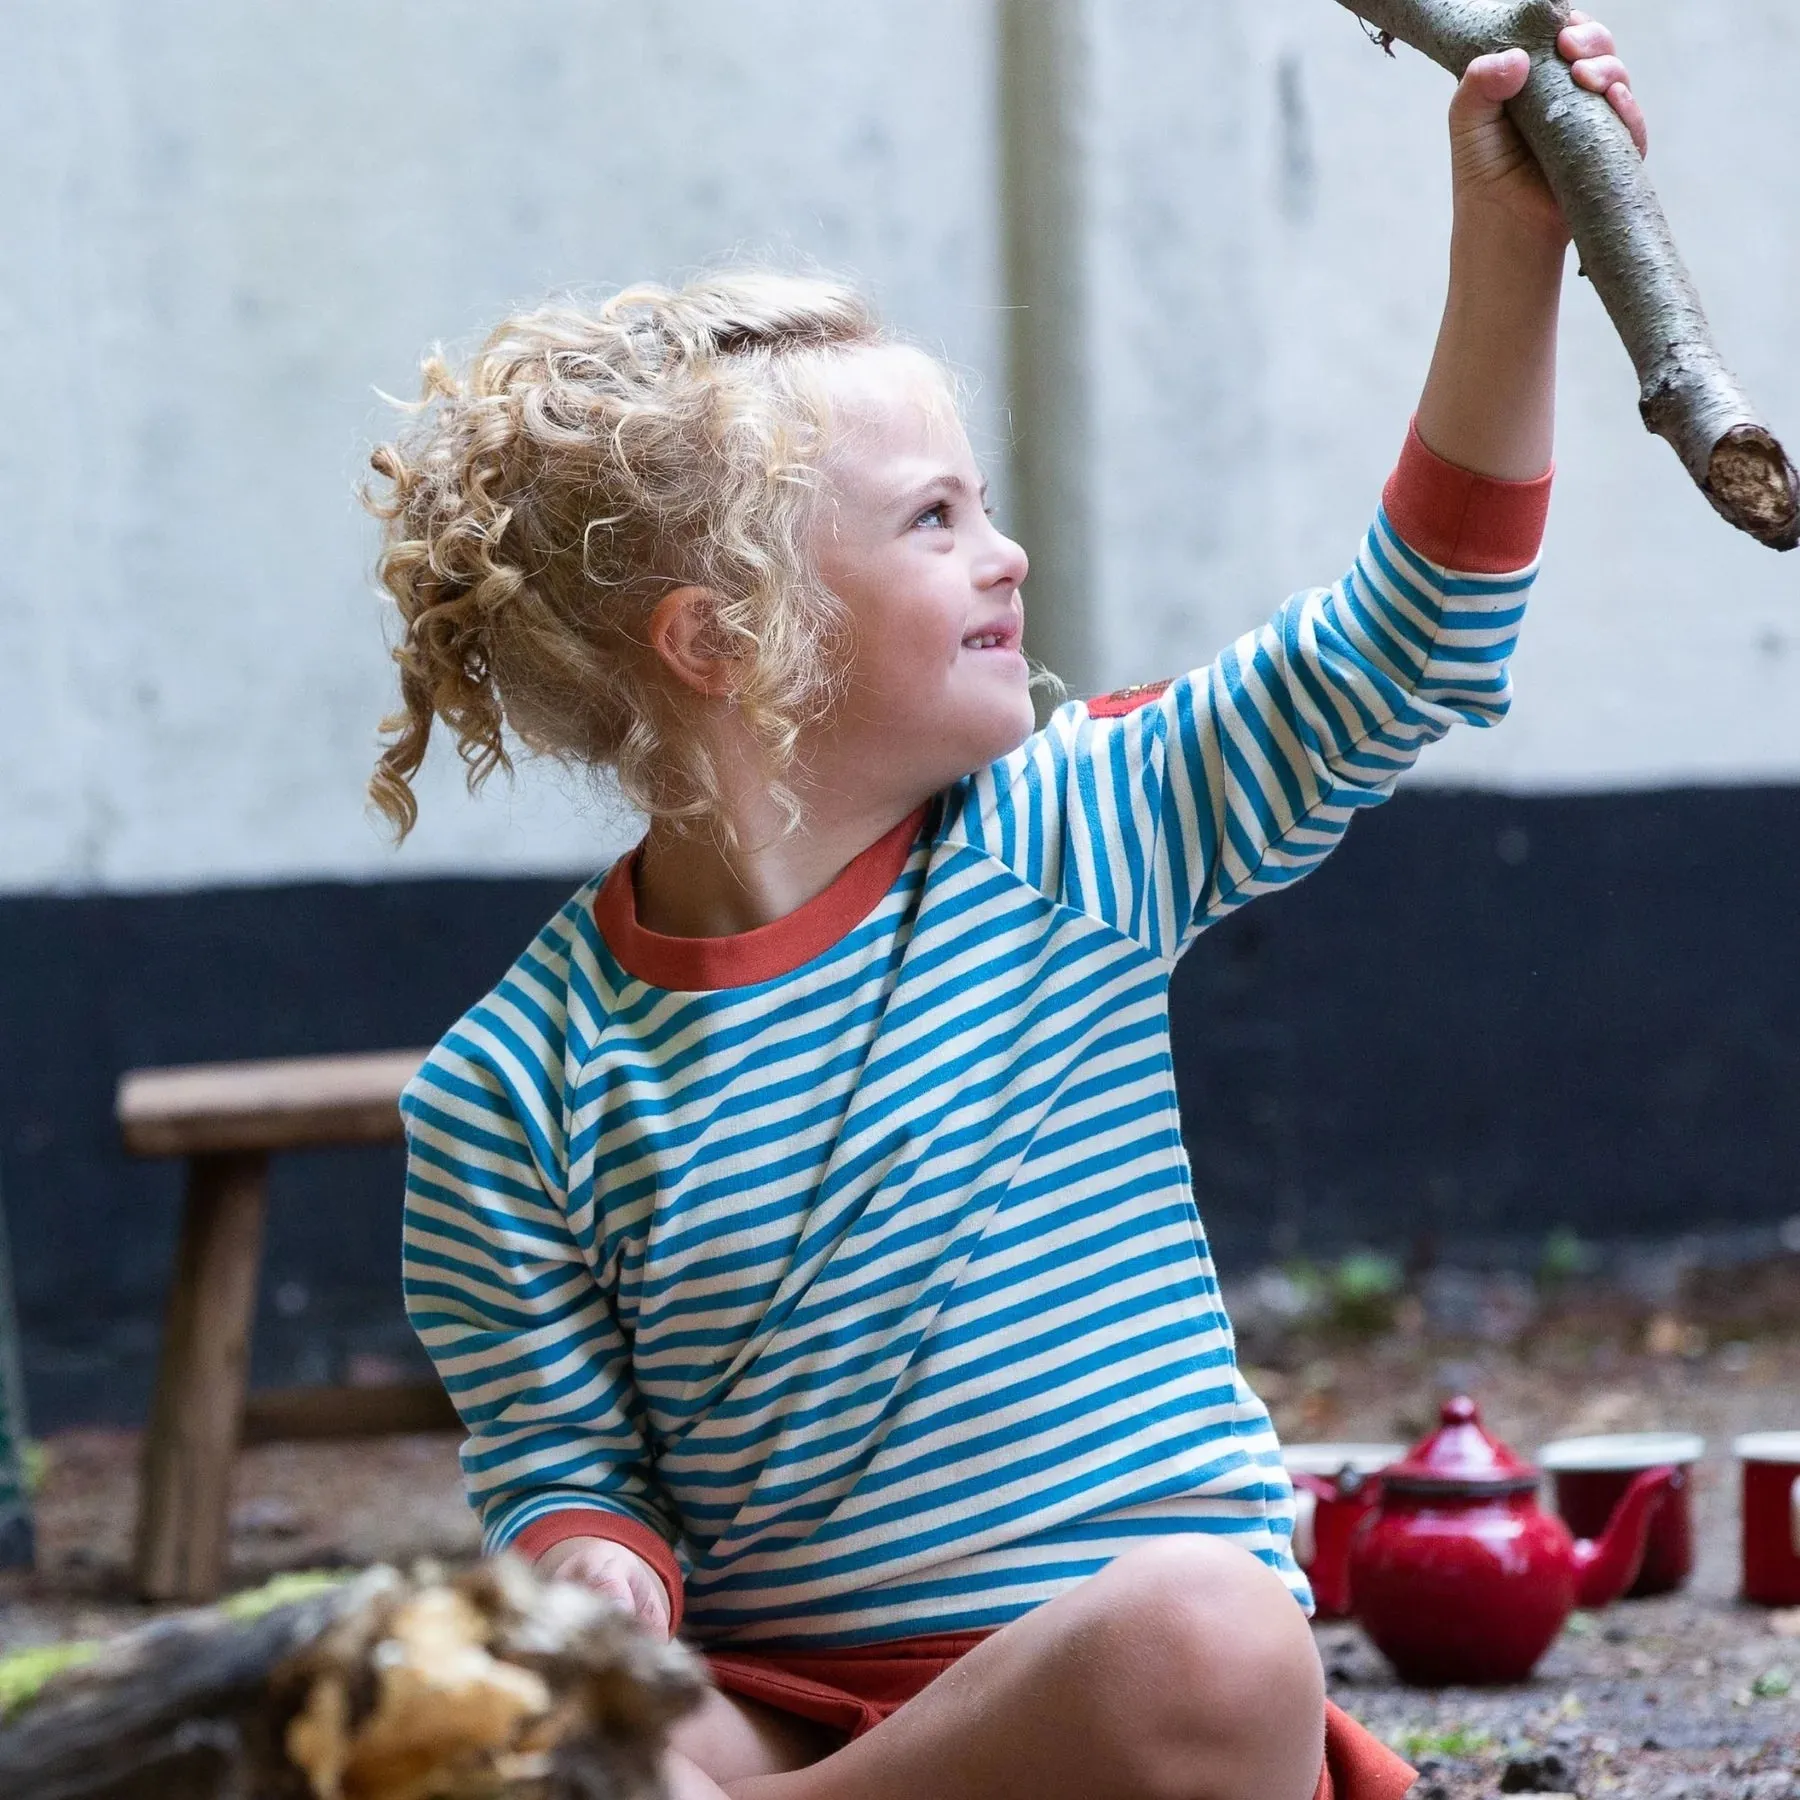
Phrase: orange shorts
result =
(854, 1690)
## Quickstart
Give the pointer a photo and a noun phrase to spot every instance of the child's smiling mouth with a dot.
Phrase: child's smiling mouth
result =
(998, 637)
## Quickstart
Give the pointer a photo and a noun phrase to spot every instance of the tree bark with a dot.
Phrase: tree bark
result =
(168, 1710)
(1687, 395)
(494, 1686)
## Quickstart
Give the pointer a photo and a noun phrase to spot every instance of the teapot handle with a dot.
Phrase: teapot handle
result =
(1306, 1506)
(1321, 1487)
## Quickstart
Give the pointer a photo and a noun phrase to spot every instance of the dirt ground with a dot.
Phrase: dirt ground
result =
(1690, 1697)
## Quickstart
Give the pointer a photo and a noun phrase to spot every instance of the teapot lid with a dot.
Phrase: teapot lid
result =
(1459, 1458)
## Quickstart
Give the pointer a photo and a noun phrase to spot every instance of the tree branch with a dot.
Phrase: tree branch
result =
(1686, 394)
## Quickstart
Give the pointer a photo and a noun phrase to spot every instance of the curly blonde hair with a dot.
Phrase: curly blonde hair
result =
(583, 465)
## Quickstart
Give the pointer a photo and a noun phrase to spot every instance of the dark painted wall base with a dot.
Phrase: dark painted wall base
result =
(1488, 1017)
(94, 986)
(1485, 1016)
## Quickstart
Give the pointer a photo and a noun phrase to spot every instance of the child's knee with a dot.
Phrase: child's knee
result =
(1198, 1582)
(1210, 1664)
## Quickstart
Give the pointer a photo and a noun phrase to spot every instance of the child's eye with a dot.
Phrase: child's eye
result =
(937, 517)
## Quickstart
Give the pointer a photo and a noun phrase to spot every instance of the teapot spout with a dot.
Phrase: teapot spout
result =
(1607, 1565)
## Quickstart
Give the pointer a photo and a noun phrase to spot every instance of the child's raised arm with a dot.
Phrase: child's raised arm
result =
(1163, 809)
(1489, 401)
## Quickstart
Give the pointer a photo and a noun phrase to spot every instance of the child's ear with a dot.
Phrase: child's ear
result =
(684, 633)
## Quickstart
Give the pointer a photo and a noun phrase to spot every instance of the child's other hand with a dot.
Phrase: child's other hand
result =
(1494, 172)
(614, 1571)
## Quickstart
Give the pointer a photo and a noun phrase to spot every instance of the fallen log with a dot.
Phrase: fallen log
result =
(493, 1686)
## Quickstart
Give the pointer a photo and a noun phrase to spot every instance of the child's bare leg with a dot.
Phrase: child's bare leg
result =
(730, 1738)
(683, 1780)
(1183, 1671)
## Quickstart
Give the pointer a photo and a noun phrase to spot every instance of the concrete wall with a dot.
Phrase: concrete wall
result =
(226, 226)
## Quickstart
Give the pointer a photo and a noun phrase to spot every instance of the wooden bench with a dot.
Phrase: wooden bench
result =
(227, 1119)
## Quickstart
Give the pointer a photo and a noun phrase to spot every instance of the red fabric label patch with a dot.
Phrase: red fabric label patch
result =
(1126, 699)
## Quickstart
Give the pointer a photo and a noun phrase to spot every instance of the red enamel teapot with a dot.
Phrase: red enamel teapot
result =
(1459, 1577)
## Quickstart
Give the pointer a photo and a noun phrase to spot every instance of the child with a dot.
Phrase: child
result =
(802, 1226)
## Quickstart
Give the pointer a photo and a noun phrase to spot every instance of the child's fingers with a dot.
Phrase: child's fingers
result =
(1588, 47)
(602, 1578)
(1587, 38)
(1625, 104)
(1495, 78)
(1599, 73)
(650, 1601)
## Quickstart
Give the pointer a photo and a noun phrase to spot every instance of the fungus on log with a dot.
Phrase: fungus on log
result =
(1687, 395)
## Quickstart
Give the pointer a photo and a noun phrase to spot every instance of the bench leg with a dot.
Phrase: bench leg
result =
(185, 1491)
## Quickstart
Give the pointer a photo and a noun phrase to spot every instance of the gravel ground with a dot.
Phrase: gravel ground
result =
(1689, 1697)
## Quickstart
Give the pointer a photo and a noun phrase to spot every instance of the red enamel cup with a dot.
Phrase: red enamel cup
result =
(1335, 1488)
(1771, 1462)
(1590, 1476)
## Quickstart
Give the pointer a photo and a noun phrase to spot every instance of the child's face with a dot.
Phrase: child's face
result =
(905, 542)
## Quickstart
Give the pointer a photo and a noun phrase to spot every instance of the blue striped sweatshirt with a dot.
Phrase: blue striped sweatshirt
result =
(849, 1270)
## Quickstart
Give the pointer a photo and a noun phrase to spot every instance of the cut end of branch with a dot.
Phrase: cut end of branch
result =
(1752, 483)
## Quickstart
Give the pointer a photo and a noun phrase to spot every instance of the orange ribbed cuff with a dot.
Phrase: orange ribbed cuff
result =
(1464, 521)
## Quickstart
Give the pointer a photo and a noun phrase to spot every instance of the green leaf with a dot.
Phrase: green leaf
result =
(1563, 1257)
(1364, 1275)
(1416, 1741)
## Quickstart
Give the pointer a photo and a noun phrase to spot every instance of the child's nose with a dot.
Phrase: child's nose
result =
(1010, 563)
